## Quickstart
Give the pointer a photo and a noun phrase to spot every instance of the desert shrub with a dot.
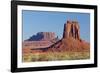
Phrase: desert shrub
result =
(51, 56)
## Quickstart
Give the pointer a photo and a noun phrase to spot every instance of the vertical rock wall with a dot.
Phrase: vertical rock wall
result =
(71, 30)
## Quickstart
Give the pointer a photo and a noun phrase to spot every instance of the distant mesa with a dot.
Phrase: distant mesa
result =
(40, 40)
(42, 36)
(71, 40)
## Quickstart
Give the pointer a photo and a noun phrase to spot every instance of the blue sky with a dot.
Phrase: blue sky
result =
(42, 21)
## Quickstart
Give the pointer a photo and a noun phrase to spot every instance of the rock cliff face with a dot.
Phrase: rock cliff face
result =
(71, 29)
(40, 40)
(42, 36)
(71, 40)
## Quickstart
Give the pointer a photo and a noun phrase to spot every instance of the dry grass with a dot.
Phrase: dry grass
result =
(50, 56)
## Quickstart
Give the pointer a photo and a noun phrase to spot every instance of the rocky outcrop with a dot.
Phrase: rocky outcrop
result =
(70, 44)
(40, 40)
(71, 40)
(71, 29)
(42, 36)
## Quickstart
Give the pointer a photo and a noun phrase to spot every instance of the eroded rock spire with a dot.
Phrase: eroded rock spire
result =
(71, 29)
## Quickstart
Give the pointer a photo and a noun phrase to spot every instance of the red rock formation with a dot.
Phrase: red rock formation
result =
(71, 40)
(70, 44)
(48, 35)
(76, 30)
(42, 36)
(71, 29)
(67, 29)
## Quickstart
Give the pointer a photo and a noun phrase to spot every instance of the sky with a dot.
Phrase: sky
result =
(44, 21)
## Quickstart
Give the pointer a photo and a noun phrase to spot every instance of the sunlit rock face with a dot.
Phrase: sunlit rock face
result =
(71, 29)
(71, 40)
(40, 40)
(47, 42)
(42, 36)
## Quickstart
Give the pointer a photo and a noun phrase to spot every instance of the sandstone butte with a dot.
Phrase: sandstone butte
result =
(71, 41)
